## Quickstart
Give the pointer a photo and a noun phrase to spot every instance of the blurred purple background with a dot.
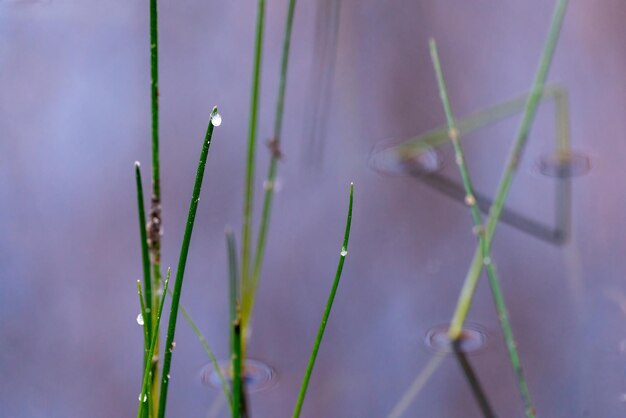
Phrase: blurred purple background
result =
(75, 115)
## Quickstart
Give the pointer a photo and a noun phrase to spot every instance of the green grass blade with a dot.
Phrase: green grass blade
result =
(509, 339)
(182, 261)
(145, 256)
(470, 200)
(252, 133)
(146, 373)
(238, 401)
(329, 305)
(270, 182)
(154, 225)
(471, 280)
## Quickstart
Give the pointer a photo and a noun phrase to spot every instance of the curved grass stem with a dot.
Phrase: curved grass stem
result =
(180, 271)
(329, 305)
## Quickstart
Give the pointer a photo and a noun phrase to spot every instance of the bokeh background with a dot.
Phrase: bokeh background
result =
(75, 115)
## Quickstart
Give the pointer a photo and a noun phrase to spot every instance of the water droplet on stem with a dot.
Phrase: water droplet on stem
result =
(216, 118)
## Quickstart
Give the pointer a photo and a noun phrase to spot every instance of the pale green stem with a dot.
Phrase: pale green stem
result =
(470, 200)
(471, 280)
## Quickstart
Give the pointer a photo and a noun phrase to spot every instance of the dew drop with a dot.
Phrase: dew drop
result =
(470, 200)
(472, 339)
(140, 319)
(216, 118)
(257, 376)
(564, 165)
(344, 252)
(145, 397)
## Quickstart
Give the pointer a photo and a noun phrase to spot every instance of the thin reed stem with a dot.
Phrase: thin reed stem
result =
(182, 261)
(252, 133)
(470, 200)
(238, 401)
(155, 222)
(329, 304)
(530, 110)
(154, 94)
(145, 395)
(270, 182)
(154, 225)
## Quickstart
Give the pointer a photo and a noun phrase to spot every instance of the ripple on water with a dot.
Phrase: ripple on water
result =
(564, 165)
(257, 376)
(473, 338)
(395, 160)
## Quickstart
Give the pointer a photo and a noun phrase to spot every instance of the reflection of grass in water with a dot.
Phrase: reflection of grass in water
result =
(418, 157)
(485, 232)
(327, 19)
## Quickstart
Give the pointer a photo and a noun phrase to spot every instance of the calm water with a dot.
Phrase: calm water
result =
(74, 116)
